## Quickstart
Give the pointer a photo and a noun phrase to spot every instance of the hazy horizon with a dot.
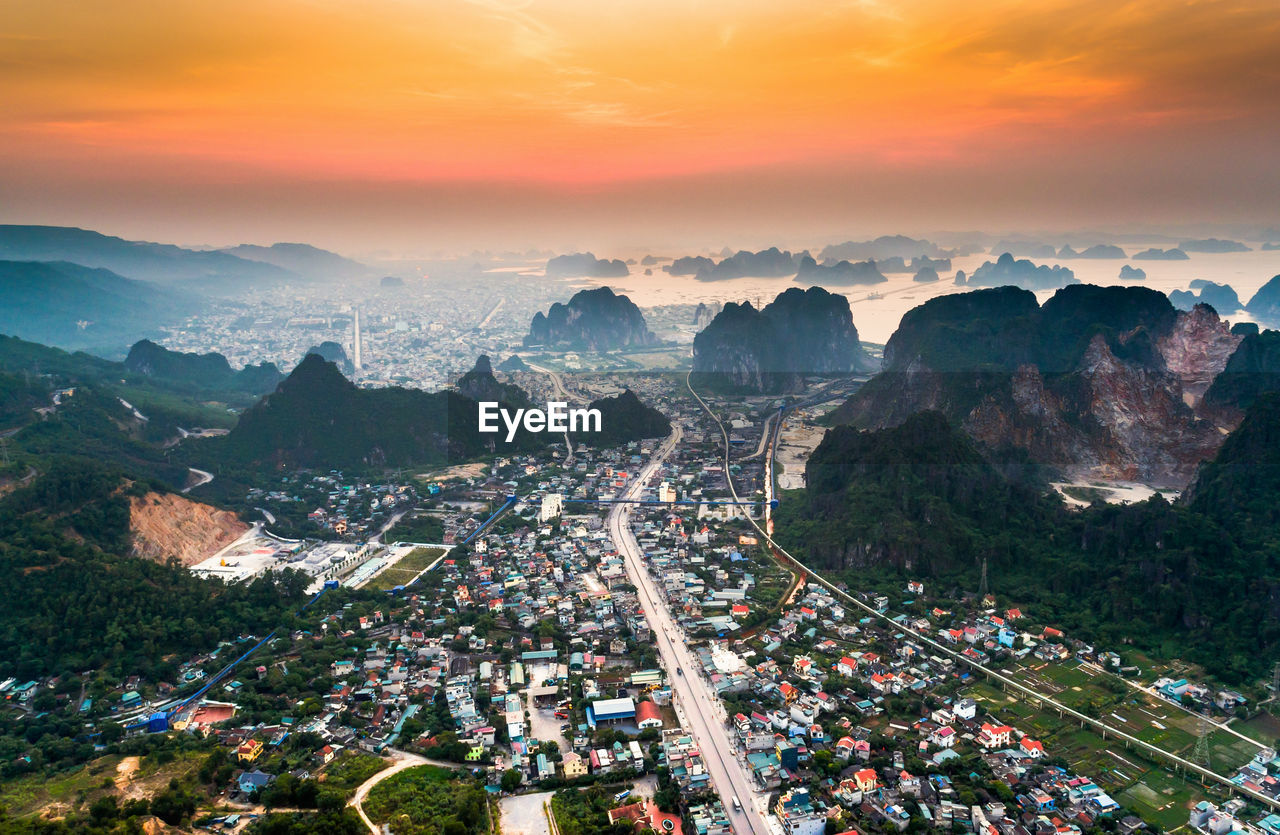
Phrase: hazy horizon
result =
(413, 129)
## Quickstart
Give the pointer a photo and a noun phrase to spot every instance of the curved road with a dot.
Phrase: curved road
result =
(701, 713)
(202, 478)
(403, 760)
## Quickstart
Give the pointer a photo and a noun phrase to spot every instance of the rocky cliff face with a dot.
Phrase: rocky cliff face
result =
(1099, 383)
(1197, 349)
(169, 526)
(593, 320)
(801, 332)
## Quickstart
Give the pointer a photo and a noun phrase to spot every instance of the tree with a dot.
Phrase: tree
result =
(511, 780)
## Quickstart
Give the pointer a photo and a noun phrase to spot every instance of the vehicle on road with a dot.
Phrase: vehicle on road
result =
(737, 804)
(622, 795)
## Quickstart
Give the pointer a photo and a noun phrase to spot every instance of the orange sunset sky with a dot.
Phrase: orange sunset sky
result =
(416, 125)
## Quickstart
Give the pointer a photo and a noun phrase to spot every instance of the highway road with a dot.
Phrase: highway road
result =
(701, 713)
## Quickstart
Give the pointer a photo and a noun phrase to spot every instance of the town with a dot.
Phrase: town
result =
(610, 627)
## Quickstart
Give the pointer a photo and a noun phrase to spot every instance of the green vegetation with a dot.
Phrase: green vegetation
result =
(586, 812)
(1189, 580)
(405, 569)
(1085, 494)
(74, 600)
(624, 418)
(416, 527)
(346, 773)
(317, 417)
(428, 800)
(199, 372)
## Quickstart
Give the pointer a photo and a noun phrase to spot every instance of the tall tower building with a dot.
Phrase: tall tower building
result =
(357, 348)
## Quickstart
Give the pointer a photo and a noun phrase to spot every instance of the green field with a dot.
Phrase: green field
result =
(404, 569)
(1264, 728)
(1139, 783)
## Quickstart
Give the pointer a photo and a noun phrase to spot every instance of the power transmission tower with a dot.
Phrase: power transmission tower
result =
(982, 584)
(1275, 681)
(1202, 754)
(4, 453)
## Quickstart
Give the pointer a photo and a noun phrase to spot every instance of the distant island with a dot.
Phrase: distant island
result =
(1132, 273)
(1006, 271)
(840, 273)
(585, 265)
(1213, 245)
(884, 247)
(767, 263)
(1156, 254)
(1265, 304)
(1029, 249)
(1095, 251)
(1220, 297)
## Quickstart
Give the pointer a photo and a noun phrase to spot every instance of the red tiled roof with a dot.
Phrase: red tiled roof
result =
(647, 710)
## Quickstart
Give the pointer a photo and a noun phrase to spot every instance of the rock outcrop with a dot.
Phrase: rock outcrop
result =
(479, 384)
(1099, 382)
(593, 320)
(801, 332)
(1251, 371)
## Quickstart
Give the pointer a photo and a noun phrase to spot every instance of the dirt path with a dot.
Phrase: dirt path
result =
(402, 761)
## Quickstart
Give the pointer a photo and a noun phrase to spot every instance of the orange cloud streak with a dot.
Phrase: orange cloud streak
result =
(582, 94)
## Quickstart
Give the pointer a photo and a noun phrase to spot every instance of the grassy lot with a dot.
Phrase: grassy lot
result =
(404, 569)
(347, 773)
(1264, 727)
(78, 788)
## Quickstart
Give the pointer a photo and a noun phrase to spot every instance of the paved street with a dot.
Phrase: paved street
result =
(699, 710)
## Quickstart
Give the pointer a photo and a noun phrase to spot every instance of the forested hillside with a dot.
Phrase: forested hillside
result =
(1198, 579)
